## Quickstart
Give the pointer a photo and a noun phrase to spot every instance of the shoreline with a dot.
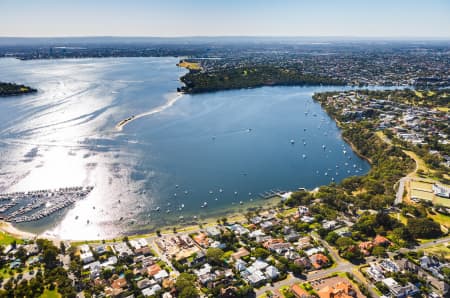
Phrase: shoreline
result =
(236, 216)
(119, 126)
(8, 228)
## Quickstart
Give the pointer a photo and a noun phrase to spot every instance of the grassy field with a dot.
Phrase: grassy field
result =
(441, 218)
(419, 162)
(439, 250)
(190, 65)
(422, 190)
(50, 294)
(6, 239)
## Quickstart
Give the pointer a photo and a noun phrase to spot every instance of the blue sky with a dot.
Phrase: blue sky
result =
(378, 18)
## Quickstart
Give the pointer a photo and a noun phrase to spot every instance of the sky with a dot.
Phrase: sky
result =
(171, 18)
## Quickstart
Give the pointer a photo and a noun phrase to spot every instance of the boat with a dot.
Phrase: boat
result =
(175, 194)
(292, 142)
(157, 208)
(235, 193)
(176, 185)
(304, 156)
(220, 190)
(241, 203)
(186, 192)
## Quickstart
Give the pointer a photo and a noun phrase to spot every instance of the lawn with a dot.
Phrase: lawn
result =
(50, 294)
(420, 163)
(6, 239)
(440, 218)
(439, 250)
(190, 65)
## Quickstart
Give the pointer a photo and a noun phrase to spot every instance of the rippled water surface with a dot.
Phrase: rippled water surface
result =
(219, 149)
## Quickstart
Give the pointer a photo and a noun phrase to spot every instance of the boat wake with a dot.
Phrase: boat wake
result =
(153, 111)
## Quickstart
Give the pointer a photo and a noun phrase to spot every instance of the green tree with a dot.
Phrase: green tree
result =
(214, 255)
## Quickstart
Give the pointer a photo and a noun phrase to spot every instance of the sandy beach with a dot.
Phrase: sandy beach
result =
(11, 230)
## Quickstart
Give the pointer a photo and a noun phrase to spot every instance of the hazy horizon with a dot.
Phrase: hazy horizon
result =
(176, 18)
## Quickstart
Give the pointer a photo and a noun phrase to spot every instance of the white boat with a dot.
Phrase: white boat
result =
(292, 142)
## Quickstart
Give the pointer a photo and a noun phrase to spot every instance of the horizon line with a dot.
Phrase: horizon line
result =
(234, 36)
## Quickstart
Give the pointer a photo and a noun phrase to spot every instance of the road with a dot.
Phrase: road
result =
(400, 191)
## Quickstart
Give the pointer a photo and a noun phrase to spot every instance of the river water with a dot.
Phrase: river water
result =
(192, 155)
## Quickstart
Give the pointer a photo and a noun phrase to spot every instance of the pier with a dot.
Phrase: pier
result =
(30, 206)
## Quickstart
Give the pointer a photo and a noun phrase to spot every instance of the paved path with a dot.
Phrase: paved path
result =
(400, 191)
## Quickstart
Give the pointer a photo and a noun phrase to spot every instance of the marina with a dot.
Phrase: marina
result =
(30, 206)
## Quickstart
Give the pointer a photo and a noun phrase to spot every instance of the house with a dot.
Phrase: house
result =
(375, 273)
(399, 291)
(119, 283)
(272, 272)
(256, 278)
(341, 290)
(304, 262)
(153, 269)
(87, 257)
(314, 250)
(242, 252)
(389, 266)
(147, 292)
(201, 239)
(269, 243)
(122, 249)
(161, 275)
(329, 224)
(303, 210)
(240, 265)
(304, 242)
(144, 283)
(292, 236)
(299, 292)
(380, 240)
(84, 248)
(307, 219)
(238, 229)
(213, 231)
(319, 260)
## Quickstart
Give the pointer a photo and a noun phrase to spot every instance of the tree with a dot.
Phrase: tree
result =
(185, 286)
(344, 242)
(424, 228)
(332, 237)
(260, 252)
(378, 251)
(214, 255)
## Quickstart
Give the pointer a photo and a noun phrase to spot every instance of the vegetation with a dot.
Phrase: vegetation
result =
(11, 89)
(250, 77)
